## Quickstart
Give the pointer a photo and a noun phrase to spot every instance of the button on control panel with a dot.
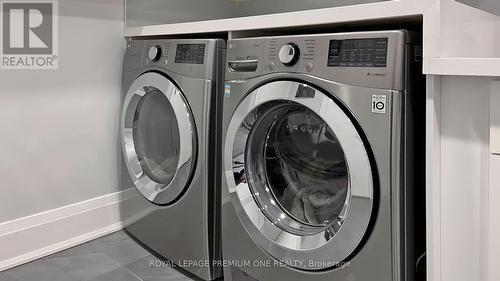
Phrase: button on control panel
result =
(309, 67)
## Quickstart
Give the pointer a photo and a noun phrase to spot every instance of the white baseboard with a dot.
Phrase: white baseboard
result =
(29, 238)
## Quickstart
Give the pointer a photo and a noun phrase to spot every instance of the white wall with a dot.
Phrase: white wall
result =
(490, 6)
(59, 128)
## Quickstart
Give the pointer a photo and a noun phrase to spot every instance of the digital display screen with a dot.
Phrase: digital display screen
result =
(190, 53)
(370, 52)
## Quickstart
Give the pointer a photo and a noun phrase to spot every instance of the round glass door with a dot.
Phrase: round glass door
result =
(298, 166)
(158, 138)
(299, 175)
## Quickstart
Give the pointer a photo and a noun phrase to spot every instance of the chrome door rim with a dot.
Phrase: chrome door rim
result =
(310, 251)
(159, 193)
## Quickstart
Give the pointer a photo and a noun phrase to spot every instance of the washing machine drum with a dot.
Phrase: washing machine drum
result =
(299, 175)
(303, 162)
(158, 138)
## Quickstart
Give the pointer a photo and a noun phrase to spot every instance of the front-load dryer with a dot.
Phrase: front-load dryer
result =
(317, 165)
(169, 138)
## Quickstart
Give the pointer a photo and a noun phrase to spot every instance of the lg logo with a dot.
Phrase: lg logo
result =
(29, 33)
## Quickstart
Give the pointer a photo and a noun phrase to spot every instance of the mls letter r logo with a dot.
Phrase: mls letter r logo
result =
(29, 33)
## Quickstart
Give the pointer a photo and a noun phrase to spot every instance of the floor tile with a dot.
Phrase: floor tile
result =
(152, 269)
(120, 274)
(118, 247)
(125, 252)
(109, 258)
(71, 268)
(115, 236)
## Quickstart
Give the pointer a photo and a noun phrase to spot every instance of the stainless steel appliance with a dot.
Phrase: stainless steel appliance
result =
(317, 157)
(169, 137)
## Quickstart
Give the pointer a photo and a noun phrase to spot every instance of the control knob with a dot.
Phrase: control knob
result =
(154, 53)
(289, 54)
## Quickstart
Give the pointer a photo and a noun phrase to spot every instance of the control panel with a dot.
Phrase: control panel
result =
(359, 58)
(159, 52)
(370, 52)
(197, 58)
(190, 53)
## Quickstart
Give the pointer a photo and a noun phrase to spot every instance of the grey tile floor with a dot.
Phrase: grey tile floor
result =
(115, 257)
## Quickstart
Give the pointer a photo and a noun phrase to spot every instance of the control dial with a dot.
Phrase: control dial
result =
(154, 53)
(289, 54)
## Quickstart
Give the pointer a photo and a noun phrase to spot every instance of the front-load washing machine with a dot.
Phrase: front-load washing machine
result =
(169, 137)
(317, 157)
